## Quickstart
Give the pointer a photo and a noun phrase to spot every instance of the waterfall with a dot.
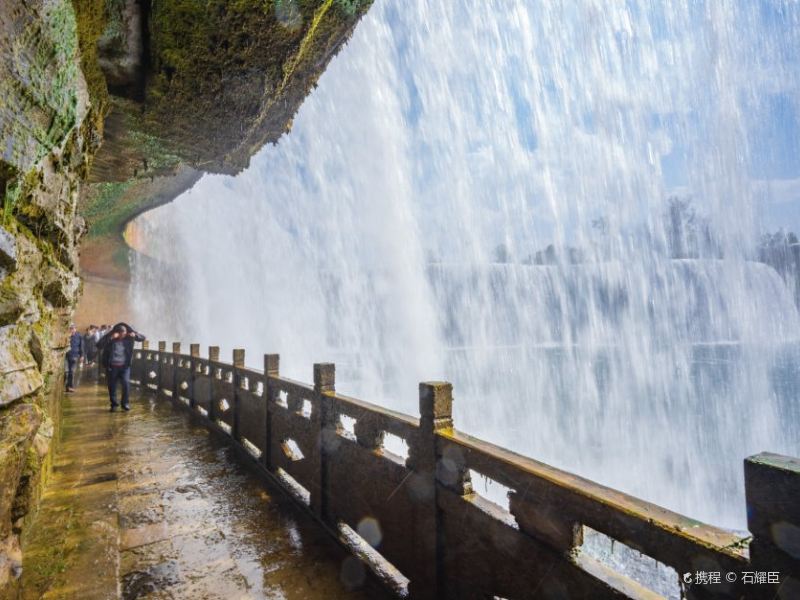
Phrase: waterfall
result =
(554, 205)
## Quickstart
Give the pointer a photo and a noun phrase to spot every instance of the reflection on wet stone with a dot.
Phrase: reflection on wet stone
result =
(138, 584)
(353, 572)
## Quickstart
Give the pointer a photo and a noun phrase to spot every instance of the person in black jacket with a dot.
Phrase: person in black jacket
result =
(116, 349)
(74, 354)
(90, 345)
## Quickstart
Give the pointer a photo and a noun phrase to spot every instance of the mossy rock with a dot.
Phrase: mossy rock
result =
(227, 77)
(19, 373)
(18, 426)
(41, 84)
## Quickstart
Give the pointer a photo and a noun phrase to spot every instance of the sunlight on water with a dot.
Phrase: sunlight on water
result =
(554, 205)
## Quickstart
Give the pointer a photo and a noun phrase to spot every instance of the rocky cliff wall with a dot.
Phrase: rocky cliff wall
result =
(107, 108)
(216, 82)
(50, 129)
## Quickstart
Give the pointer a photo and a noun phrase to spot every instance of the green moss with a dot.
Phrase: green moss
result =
(114, 30)
(60, 91)
(91, 21)
(307, 41)
(10, 199)
(353, 7)
(157, 157)
(54, 558)
(43, 94)
(104, 211)
(228, 62)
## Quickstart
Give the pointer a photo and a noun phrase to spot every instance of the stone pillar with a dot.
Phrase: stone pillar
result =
(162, 350)
(238, 364)
(324, 384)
(772, 489)
(194, 352)
(436, 414)
(144, 367)
(176, 357)
(271, 369)
(213, 357)
(137, 365)
(238, 358)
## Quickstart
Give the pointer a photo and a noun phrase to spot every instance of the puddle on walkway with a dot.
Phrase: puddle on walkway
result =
(148, 504)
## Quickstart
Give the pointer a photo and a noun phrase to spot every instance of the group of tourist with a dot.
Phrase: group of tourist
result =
(115, 348)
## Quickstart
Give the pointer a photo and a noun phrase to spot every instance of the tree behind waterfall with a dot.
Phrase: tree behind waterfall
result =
(688, 234)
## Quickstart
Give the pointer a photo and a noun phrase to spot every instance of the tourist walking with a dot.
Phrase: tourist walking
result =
(74, 354)
(90, 345)
(116, 349)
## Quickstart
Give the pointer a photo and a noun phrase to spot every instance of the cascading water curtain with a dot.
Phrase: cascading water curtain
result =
(557, 206)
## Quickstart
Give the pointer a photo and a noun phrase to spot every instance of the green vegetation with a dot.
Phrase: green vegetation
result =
(91, 21)
(106, 210)
(157, 158)
(10, 198)
(114, 31)
(40, 103)
(54, 559)
(353, 7)
(58, 91)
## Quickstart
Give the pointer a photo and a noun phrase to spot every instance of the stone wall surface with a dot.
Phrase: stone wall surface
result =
(48, 131)
(108, 108)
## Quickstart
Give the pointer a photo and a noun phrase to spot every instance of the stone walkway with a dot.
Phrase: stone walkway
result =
(148, 504)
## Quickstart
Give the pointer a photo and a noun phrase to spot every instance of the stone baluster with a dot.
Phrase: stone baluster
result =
(324, 384)
(176, 357)
(436, 414)
(213, 358)
(144, 367)
(137, 365)
(194, 352)
(271, 369)
(238, 364)
(162, 350)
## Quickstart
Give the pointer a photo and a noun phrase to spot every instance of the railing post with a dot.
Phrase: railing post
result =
(194, 352)
(144, 375)
(213, 356)
(436, 414)
(271, 369)
(176, 356)
(238, 363)
(162, 349)
(324, 383)
(136, 365)
(772, 489)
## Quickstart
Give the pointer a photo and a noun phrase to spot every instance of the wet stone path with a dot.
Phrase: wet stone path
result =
(148, 504)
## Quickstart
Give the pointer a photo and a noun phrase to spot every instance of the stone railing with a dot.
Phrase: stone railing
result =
(417, 522)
